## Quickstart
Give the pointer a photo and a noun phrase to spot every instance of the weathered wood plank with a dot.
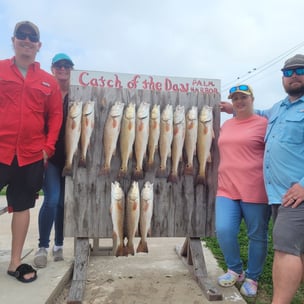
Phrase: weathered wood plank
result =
(82, 251)
(192, 255)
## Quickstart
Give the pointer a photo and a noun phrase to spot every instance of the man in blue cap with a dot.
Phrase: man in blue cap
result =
(52, 209)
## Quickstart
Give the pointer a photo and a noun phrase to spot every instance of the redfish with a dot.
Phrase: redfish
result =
(190, 139)
(141, 138)
(146, 212)
(205, 136)
(72, 135)
(165, 139)
(154, 131)
(178, 141)
(127, 137)
(117, 211)
(87, 126)
(132, 216)
(110, 135)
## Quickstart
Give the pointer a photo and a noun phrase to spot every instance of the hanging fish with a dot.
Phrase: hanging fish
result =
(178, 141)
(132, 215)
(87, 126)
(117, 211)
(110, 135)
(141, 138)
(154, 131)
(127, 137)
(165, 139)
(72, 135)
(146, 211)
(204, 141)
(190, 139)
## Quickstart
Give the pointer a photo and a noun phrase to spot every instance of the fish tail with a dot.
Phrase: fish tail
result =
(161, 172)
(120, 251)
(138, 174)
(122, 173)
(172, 178)
(67, 171)
(130, 249)
(188, 170)
(104, 171)
(82, 162)
(200, 179)
(142, 246)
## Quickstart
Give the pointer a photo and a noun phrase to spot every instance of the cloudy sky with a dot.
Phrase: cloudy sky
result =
(234, 41)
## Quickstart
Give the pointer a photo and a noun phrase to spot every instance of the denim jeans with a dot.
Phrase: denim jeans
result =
(229, 214)
(52, 209)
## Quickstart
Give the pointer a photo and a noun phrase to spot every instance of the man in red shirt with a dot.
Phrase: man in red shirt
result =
(30, 120)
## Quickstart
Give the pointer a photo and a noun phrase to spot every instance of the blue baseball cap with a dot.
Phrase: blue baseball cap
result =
(62, 56)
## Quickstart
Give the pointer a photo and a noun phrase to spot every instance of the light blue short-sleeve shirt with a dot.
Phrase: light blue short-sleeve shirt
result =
(284, 149)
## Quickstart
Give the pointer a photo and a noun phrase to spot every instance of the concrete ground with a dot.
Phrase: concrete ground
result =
(141, 279)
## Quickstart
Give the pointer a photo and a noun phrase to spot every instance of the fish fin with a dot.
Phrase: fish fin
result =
(209, 160)
(213, 135)
(67, 171)
(188, 170)
(149, 165)
(122, 173)
(142, 246)
(172, 178)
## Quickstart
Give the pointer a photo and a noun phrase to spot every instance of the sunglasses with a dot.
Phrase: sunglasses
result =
(23, 36)
(242, 87)
(62, 65)
(289, 73)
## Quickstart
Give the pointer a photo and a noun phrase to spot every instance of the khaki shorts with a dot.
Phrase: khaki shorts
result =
(288, 230)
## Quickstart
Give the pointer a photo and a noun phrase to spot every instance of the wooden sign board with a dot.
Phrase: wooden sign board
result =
(180, 209)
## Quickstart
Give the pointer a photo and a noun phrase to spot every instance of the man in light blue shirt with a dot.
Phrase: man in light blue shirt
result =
(284, 180)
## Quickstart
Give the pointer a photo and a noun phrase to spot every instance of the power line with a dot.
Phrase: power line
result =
(255, 71)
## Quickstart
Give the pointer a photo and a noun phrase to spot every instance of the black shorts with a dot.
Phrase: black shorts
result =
(288, 230)
(23, 183)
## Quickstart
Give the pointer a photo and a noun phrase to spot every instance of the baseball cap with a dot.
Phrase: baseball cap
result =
(30, 24)
(294, 62)
(242, 88)
(62, 56)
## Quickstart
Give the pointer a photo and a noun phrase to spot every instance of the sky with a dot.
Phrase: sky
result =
(235, 41)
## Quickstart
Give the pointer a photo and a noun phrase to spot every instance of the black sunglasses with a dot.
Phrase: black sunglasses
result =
(62, 65)
(23, 36)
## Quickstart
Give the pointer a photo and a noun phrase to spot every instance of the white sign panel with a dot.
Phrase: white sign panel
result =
(145, 82)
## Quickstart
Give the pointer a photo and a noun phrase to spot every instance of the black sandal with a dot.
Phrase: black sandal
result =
(21, 271)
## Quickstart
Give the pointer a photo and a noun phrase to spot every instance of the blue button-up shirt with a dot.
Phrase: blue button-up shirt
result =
(284, 149)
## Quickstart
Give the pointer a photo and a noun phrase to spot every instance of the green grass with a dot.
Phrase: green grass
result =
(265, 282)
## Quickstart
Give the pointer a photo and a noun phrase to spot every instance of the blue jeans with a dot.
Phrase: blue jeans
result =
(229, 214)
(52, 209)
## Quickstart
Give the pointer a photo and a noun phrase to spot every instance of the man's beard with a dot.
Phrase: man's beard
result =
(295, 91)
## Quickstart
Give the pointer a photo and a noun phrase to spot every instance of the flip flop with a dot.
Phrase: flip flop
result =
(21, 271)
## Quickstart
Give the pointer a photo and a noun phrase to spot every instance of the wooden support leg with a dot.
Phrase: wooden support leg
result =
(82, 252)
(192, 254)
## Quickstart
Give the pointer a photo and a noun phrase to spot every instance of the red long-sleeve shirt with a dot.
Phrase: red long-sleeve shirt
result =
(28, 107)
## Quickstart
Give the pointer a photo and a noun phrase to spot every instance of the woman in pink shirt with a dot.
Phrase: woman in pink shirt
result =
(241, 193)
